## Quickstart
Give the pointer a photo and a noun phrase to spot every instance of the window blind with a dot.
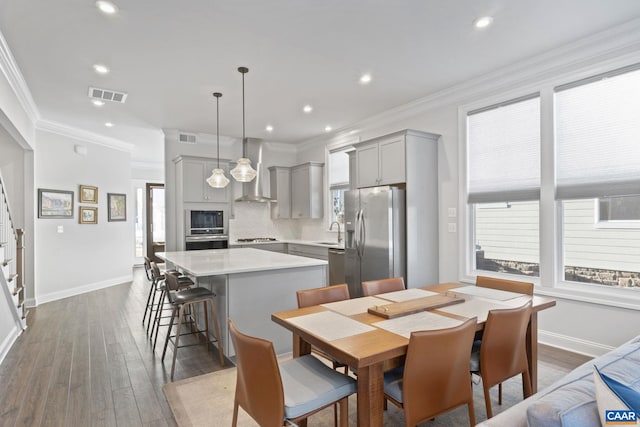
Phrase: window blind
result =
(503, 147)
(598, 138)
(338, 169)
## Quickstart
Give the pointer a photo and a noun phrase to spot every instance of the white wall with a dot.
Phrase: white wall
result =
(85, 256)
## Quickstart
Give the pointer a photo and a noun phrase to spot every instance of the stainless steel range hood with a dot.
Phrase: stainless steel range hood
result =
(252, 191)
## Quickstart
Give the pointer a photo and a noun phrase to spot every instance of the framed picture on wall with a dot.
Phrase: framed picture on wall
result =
(55, 203)
(117, 204)
(88, 194)
(88, 215)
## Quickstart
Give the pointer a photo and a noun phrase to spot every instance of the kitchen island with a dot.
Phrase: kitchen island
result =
(250, 285)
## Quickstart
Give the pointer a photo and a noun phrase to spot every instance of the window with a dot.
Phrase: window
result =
(338, 183)
(598, 176)
(503, 146)
(619, 212)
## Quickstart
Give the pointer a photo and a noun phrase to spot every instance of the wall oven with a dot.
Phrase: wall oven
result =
(196, 243)
(205, 230)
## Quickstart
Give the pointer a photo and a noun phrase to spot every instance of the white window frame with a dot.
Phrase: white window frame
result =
(343, 145)
(612, 223)
(551, 280)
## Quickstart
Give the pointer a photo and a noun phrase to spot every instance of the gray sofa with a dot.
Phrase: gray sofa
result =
(571, 401)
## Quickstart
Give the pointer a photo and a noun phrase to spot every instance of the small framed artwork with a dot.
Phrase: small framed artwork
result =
(117, 204)
(88, 194)
(88, 215)
(55, 203)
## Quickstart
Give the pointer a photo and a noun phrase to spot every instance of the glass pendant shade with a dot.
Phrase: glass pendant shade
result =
(243, 172)
(218, 179)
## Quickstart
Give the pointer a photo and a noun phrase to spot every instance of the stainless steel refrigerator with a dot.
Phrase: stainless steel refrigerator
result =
(374, 235)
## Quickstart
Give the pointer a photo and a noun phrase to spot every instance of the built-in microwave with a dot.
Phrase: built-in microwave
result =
(200, 222)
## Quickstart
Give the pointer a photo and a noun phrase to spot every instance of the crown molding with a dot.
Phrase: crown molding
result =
(83, 135)
(616, 42)
(16, 81)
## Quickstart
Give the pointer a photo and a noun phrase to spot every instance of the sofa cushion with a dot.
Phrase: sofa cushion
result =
(612, 395)
(571, 401)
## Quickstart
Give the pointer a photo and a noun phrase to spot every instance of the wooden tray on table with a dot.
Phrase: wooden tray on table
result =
(397, 309)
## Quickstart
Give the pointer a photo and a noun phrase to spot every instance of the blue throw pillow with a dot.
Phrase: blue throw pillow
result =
(608, 391)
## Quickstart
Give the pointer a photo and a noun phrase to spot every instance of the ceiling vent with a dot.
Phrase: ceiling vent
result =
(187, 138)
(107, 95)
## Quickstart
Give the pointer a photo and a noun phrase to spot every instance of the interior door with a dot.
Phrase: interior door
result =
(155, 220)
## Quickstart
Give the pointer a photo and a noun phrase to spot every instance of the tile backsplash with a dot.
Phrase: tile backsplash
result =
(253, 219)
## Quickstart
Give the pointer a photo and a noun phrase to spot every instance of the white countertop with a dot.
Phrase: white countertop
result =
(214, 262)
(316, 243)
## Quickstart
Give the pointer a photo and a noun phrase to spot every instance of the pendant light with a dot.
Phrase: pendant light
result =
(243, 172)
(217, 178)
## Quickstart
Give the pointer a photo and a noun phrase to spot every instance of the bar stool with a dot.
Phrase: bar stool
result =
(159, 285)
(155, 277)
(188, 299)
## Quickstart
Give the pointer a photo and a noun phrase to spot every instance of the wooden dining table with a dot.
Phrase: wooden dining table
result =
(371, 344)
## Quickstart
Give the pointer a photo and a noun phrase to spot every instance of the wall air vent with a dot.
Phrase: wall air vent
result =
(186, 138)
(107, 95)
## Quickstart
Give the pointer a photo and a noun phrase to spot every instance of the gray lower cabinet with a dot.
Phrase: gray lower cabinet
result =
(308, 251)
(273, 247)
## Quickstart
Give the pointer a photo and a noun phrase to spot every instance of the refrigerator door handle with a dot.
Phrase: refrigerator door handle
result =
(356, 233)
(363, 232)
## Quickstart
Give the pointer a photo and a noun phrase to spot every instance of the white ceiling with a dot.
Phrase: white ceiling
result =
(170, 55)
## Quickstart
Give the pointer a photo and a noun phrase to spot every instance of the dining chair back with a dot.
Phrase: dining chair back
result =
(435, 376)
(505, 285)
(323, 295)
(502, 353)
(382, 286)
(276, 394)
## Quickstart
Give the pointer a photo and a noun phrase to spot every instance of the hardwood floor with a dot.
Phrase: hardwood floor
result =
(87, 361)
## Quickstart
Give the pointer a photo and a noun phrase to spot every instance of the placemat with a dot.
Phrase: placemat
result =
(350, 307)
(490, 293)
(425, 320)
(329, 326)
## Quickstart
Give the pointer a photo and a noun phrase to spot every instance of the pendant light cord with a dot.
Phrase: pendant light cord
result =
(218, 129)
(218, 95)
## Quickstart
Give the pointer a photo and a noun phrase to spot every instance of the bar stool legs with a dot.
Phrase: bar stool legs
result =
(190, 302)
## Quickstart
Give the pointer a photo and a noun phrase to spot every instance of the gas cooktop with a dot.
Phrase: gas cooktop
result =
(257, 239)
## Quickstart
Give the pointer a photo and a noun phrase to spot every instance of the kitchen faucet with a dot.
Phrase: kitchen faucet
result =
(331, 228)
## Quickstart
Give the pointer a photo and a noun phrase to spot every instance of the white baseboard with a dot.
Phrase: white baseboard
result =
(7, 343)
(54, 296)
(30, 302)
(576, 345)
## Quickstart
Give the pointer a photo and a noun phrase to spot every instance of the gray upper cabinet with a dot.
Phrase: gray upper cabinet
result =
(381, 162)
(307, 193)
(280, 180)
(193, 174)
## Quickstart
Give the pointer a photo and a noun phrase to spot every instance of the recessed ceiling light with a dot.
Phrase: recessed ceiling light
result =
(307, 109)
(269, 128)
(107, 7)
(97, 102)
(101, 69)
(328, 128)
(109, 124)
(483, 22)
(365, 79)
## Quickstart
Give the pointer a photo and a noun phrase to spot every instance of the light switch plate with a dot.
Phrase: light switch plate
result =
(452, 213)
(61, 229)
(452, 227)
